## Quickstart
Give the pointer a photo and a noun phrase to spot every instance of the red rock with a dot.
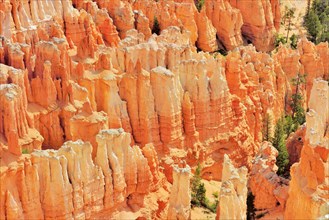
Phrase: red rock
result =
(206, 33)
(268, 188)
(227, 21)
(295, 144)
(259, 28)
(72, 77)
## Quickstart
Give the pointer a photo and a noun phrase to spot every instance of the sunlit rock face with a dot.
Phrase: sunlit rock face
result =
(180, 196)
(269, 189)
(96, 109)
(233, 192)
(67, 183)
(308, 189)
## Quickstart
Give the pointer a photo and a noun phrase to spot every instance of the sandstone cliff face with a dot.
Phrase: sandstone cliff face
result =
(227, 21)
(85, 79)
(66, 183)
(295, 144)
(16, 126)
(72, 69)
(308, 191)
(180, 196)
(227, 18)
(269, 189)
(259, 28)
(233, 192)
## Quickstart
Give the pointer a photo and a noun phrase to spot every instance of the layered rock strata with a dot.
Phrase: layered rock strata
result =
(70, 69)
(67, 183)
(216, 98)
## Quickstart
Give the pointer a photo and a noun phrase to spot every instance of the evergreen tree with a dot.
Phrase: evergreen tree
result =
(289, 125)
(293, 41)
(313, 26)
(199, 4)
(267, 127)
(298, 112)
(251, 211)
(289, 14)
(316, 21)
(156, 26)
(279, 143)
(198, 193)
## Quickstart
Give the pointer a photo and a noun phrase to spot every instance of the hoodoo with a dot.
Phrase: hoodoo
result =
(164, 109)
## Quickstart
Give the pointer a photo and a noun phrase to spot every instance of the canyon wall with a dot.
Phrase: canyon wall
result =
(308, 191)
(67, 183)
(269, 189)
(87, 84)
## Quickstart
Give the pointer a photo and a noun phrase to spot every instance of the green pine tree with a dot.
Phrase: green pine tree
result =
(199, 4)
(316, 21)
(289, 15)
(313, 26)
(298, 112)
(289, 125)
(293, 41)
(279, 143)
(267, 127)
(198, 192)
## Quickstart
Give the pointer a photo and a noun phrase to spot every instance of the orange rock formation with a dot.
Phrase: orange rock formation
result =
(67, 183)
(308, 191)
(269, 189)
(95, 109)
(180, 196)
(233, 192)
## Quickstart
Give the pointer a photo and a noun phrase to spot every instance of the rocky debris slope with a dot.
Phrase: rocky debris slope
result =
(308, 191)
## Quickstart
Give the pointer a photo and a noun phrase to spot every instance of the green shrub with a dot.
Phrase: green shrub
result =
(25, 151)
(278, 38)
(199, 4)
(293, 41)
(211, 206)
(215, 195)
(198, 192)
